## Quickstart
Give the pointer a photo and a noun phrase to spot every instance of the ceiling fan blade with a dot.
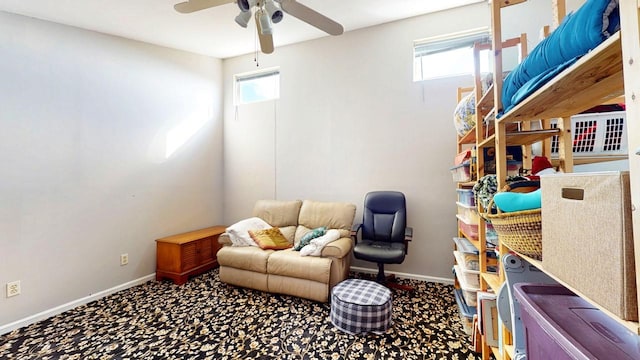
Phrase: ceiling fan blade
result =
(266, 40)
(311, 17)
(196, 5)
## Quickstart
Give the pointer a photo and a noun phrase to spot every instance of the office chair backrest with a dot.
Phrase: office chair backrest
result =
(384, 216)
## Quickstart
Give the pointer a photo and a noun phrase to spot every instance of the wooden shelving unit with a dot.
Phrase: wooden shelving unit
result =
(604, 75)
(482, 136)
(593, 80)
(597, 78)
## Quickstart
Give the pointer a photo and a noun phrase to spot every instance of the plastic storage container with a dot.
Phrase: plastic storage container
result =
(468, 262)
(471, 277)
(469, 291)
(466, 197)
(560, 325)
(465, 311)
(513, 167)
(596, 134)
(461, 173)
(468, 213)
(469, 230)
(465, 246)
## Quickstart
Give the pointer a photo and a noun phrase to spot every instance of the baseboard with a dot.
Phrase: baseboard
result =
(405, 275)
(70, 305)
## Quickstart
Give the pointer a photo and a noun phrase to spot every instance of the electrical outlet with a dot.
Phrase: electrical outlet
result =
(13, 288)
(124, 259)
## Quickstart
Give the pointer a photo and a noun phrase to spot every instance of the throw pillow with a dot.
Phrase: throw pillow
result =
(270, 238)
(239, 232)
(316, 245)
(312, 234)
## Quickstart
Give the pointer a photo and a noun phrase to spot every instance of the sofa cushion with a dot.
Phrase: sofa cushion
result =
(270, 238)
(312, 234)
(239, 232)
(332, 215)
(290, 263)
(278, 213)
(250, 258)
(288, 232)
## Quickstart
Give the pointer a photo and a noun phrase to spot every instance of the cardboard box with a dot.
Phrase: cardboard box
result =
(587, 237)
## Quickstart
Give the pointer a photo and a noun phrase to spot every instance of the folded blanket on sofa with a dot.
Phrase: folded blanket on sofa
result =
(579, 32)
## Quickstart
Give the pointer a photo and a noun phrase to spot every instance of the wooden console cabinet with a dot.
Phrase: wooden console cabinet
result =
(191, 253)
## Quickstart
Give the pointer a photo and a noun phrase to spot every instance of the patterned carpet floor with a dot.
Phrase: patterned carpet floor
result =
(205, 319)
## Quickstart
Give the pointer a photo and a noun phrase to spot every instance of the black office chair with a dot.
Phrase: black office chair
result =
(385, 234)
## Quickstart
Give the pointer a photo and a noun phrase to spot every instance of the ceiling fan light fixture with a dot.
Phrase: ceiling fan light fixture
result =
(243, 18)
(274, 11)
(264, 23)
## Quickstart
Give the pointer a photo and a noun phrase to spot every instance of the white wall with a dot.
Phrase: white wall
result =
(84, 124)
(350, 120)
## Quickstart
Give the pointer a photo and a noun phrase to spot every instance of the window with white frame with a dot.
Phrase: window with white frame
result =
(257, 86)
(450, 55)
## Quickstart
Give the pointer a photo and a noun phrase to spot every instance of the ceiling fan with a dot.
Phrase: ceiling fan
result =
(266, 13)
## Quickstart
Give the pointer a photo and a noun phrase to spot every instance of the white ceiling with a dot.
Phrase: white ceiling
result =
(213, 31)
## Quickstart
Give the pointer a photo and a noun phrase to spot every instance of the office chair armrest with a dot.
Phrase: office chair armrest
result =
(408, 233)
(354, 232)
(408, 236)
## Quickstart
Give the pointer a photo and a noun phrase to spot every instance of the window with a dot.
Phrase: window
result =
(449, 55)
(257, 86)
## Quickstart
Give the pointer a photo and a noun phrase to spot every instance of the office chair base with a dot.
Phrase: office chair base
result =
(389, 280)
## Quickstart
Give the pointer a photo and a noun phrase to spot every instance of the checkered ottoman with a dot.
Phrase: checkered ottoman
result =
(360, 306)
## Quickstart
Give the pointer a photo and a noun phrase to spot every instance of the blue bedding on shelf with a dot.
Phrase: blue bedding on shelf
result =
(579, 32)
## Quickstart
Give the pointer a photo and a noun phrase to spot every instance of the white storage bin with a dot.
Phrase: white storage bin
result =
(470, 297)
(467, 262)
(596, 134)
(470, 285)
(466, 197)
(468, 213)
(471, 278)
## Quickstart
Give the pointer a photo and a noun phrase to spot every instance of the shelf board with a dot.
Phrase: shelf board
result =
(485, 104)
(490, 141)
(468, 138)
(581, 160)
(530, 136)
(467, 184)
(592, 80)
(521, 137)
(634, 326)
(493, 281)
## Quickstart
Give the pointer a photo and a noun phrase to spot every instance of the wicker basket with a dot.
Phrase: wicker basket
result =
(521, 231)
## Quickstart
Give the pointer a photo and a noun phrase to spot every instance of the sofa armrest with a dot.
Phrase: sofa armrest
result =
(338, 249)
(224, 239)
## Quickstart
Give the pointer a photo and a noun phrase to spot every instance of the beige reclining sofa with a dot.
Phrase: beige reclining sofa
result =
(286, 271)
